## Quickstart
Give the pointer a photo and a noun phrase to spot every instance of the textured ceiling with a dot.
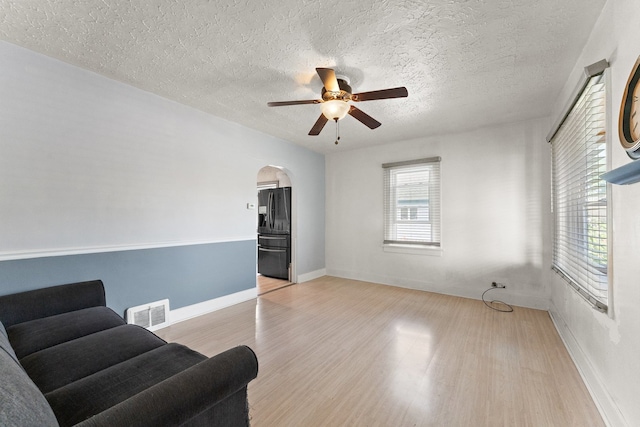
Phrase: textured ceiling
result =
(465, 63)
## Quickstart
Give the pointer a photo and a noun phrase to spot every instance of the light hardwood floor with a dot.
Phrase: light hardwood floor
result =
(267, 284)
(336, 352)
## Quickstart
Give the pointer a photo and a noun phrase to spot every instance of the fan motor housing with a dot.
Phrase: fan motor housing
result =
(344, 94)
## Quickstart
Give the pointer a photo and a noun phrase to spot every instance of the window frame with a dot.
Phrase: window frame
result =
(392, 209)
(584, 254)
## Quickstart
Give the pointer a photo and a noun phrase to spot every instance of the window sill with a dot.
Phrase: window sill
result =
(412, 249)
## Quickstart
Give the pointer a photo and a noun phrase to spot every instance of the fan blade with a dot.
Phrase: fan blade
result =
(283, 103)
(315, 130)
(329, 80)
(396, 92)
(366, 119)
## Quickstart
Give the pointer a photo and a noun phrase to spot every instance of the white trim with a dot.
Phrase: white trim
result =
(603, 400)
(28, 254)
(195, 310)
(311, 275)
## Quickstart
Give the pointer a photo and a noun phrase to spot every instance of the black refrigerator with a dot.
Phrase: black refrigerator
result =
(274, 232)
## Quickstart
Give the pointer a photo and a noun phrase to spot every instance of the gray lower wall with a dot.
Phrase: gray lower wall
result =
(184, 274)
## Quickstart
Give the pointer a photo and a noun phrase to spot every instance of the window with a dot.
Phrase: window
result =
(579, 155)
(412, 202)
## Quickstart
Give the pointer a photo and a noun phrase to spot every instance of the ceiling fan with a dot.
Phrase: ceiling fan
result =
(336, 95)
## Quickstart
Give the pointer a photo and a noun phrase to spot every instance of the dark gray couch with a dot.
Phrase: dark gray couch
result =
(66, 359)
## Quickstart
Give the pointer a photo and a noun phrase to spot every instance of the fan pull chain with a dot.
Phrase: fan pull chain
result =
(337, 131)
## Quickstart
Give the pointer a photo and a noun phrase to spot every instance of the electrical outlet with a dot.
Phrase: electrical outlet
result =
(498, 285)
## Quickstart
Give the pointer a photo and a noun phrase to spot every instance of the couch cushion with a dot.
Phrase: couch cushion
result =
(90, 395)
(21, 403)
(35, 335)
(65, 363)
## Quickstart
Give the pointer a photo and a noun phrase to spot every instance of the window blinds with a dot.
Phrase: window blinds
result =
(579, 157)
(412, 202)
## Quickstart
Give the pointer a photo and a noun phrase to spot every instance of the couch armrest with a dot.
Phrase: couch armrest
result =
(185, 395)
(45, 302)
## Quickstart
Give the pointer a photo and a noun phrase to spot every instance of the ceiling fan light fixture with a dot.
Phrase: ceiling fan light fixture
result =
(335, 109)
(336, 97)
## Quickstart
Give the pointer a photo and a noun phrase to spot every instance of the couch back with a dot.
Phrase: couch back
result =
(45, 302)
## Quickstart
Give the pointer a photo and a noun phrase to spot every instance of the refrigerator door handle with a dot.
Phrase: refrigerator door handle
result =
(271, 250)
(268, 212)
(273, 211)
(269, 209)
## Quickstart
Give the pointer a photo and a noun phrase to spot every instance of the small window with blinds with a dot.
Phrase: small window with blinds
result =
(579, 155)
(412, 202)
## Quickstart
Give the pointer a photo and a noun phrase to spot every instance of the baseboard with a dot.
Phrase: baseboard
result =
(521, 300)
(195, 310)
(599, 393)
(312, 275)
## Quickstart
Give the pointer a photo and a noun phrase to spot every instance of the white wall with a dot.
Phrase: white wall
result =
(495, 206)
(607, 347)
(90, 164)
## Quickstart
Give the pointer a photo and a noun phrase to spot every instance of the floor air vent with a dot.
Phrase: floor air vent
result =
(152, 316)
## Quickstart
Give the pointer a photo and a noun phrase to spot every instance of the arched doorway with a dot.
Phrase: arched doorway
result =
(275, 229)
